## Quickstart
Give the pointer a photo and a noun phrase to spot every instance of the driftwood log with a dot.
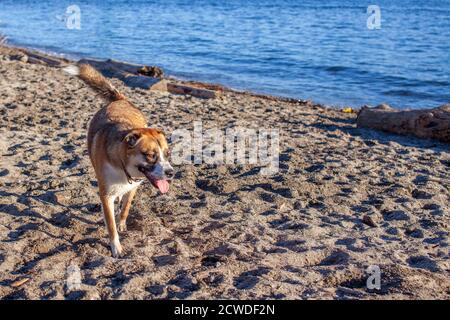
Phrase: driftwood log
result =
(32, 56)
(193, 91)
(131, 75)
(40, 58)
(126, 73)
(430, 123)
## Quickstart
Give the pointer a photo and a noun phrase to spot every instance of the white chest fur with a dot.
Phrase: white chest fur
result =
(116, 182)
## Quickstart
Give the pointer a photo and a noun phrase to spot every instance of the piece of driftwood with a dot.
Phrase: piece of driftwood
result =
(129, 74)
(36, 57)
(193, 91)
(121, 71)
(124, 66)
(151, 71)
(141, 74)
(428, 123)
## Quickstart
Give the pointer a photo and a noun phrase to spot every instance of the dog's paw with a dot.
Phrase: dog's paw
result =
(122, 226)
(116, 248)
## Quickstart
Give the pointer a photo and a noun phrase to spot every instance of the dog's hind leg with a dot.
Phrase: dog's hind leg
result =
(126, 205)
(118, 208)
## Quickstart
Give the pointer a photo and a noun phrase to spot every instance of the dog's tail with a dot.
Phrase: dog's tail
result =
(96, 80)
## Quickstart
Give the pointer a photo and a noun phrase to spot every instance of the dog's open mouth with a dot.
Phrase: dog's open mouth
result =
(161, 184)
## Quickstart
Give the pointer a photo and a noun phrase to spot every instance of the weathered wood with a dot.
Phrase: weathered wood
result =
(137, 69)
(129, 74)
(197, 92)
(429, 123)
(124, 66)
(36, 57)
(144, 82)
(114, 69)
(151, 71)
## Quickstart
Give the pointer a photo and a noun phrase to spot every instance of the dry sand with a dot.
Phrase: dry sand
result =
(222, 231)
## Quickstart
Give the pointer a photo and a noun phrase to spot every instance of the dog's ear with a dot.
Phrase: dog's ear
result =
(160, 135)
(132, 138)
(159, 131)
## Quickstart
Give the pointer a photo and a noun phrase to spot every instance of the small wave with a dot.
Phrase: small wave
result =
(409, 93)
(335, 69)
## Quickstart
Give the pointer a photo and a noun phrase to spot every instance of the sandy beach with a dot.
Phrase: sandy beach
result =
(344, 199)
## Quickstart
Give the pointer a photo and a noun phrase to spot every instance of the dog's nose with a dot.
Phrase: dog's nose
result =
(170, 173)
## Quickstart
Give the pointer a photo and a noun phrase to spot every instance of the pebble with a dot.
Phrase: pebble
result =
(372, 219)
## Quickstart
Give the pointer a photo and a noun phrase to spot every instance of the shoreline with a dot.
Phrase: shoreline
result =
(423, 123)
(65, 57)
(76, 57)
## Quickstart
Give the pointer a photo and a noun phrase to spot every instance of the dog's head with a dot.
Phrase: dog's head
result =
(147, 155)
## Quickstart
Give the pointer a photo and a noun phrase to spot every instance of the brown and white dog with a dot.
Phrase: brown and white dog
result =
(123, 152)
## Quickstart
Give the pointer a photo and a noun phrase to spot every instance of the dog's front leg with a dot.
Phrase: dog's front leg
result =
(108, 212)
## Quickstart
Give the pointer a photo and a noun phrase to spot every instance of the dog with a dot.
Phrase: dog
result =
(123, 151)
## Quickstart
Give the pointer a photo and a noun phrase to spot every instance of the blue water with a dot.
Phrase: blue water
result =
(319, 50)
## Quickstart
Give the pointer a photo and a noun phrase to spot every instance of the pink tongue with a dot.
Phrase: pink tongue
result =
(162, 185)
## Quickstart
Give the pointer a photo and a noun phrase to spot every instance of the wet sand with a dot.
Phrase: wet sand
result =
(343, 199)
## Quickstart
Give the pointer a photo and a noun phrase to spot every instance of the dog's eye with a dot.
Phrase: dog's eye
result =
(150, 156)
